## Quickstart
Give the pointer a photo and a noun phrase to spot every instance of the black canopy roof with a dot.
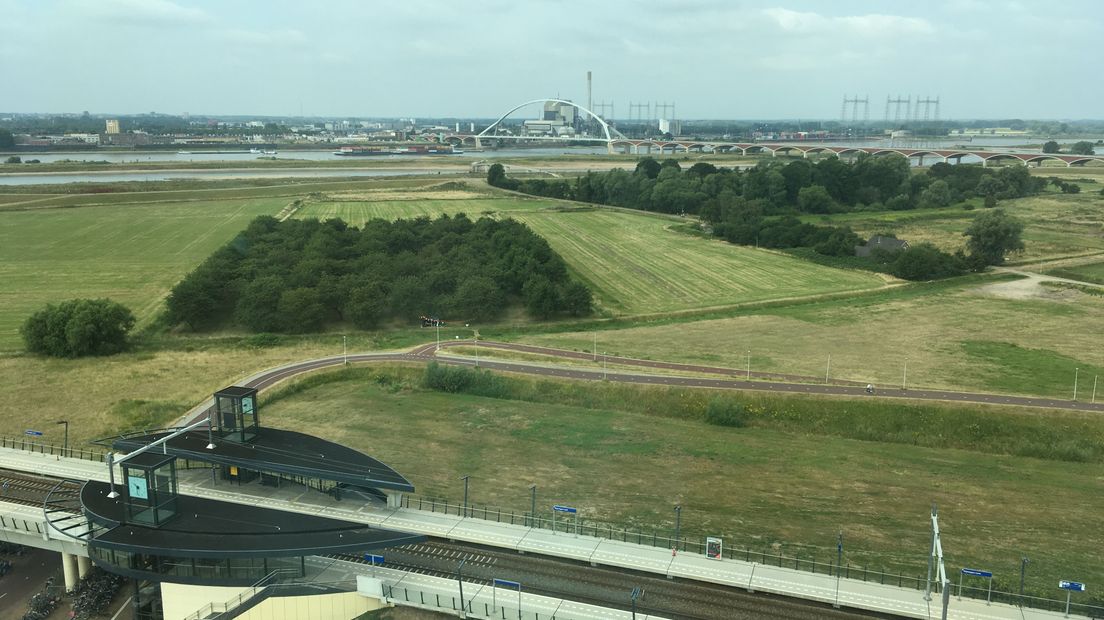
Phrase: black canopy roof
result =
(207, 528)
(280, 451)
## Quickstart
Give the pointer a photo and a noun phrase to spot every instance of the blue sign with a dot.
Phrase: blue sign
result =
(977, 573)
(567, 509)
(33, 433)
(373, 559)
(505, 583)
(1071, 585)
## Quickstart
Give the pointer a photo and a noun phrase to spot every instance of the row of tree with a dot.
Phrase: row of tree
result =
(1084, 147)
(300, 275)
(830, 185)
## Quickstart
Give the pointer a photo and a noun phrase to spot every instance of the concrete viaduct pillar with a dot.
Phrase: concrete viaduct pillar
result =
(83, 566)
(69, 569)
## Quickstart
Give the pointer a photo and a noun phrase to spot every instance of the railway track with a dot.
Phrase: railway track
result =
(604, 586)
(27, 489)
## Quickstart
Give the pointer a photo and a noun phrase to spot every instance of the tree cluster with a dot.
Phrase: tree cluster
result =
(78, 327)
(301, 275)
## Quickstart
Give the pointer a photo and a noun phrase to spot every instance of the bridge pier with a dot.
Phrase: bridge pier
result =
(394, 499)
(83, 566)
(69, 569)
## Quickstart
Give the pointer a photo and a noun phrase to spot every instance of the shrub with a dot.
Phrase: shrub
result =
(78, 327)
(724, 412)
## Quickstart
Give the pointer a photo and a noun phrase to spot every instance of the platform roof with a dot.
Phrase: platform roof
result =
(207, 528)
(280, 451)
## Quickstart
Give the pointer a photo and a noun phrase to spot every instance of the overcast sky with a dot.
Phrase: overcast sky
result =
(736, 59)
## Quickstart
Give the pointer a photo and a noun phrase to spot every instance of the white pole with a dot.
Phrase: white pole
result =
(749, 366)
(603, 365)
(345, 349)
(1095, 377)
(1076, 371)
(828, 369)
(477, 354)
(904, 376)
(596, 346)
(438, 321)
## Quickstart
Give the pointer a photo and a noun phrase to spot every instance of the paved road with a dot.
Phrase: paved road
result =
(768, 382)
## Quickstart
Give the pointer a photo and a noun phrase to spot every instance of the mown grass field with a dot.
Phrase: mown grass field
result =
(1092, 272)
(958, 336)
(756, 487)
(132, 254)
(1056, 225)
(634, 264)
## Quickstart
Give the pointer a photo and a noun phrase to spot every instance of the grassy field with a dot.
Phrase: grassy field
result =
(634, 264)
(959, 336)
(1057, 225)
(757, 487)
(132, 254)
(1092, 272)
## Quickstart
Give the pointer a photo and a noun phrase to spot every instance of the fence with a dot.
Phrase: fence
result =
(697, 545)
(22, 443)
(419, 598)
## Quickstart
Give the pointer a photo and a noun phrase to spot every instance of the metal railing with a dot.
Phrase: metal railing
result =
(30, 445)
(472, 609)
(214, 610)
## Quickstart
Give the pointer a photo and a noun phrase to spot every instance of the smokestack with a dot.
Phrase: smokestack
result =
(590, 100)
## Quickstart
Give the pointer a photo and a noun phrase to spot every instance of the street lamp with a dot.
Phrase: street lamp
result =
(1023, 570)
(465, 479)
(839, 552)
(678, 524)
(532, 504)
(460, 580)
(65, 446)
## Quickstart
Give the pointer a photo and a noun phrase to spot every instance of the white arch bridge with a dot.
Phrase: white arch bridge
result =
(616, 142)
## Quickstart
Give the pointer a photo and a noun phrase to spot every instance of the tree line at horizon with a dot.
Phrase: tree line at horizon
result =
(299, 276)
(761, 206)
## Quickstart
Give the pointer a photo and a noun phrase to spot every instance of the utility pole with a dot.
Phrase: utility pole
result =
(1076, 371)
(345, 349)
(65, 446)
(678, 524)
(460, 580)
(828, 369)
(532, 504)
(465, 479)
(904, 376)
(749, 365)
(1023, 571)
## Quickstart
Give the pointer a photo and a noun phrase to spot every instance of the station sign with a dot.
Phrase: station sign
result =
(32, 433)
(374, 560)
(1071, 585)
(506, 583)
(977, 573)
(567, 509)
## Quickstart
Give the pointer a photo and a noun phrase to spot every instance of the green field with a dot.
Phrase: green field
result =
(1092, 272)
(1056, 225)
(633, 262)
(132, 254)
(755, 487)
(956, 335)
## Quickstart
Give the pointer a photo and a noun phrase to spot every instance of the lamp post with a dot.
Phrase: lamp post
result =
(465, 479)
(532, 504)
(65, 446)
(1023, 571)
(678, 524)
(839, 552)
(460, 580)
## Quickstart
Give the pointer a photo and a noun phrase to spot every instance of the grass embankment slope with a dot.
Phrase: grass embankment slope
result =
(630, 454)
(957, 335)
(633, 262)
(1056, 225)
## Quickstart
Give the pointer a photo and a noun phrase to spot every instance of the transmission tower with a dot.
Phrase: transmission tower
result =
(853, 104)
(640, 113)
(895, 105)
(668, 111)
(929, 106)
(605, 110)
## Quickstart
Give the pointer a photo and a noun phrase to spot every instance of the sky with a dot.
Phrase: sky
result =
(714, 59)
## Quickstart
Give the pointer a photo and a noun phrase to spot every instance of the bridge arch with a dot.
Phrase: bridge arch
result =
(609, 131)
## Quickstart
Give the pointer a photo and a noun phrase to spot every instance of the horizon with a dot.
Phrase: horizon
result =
(714, 60)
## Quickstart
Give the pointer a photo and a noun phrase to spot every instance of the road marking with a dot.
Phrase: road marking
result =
(124, 606)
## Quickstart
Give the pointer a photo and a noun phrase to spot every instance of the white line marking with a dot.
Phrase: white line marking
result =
(124, 606)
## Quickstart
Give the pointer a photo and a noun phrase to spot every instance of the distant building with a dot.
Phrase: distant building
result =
(878, 242)
(112, 126)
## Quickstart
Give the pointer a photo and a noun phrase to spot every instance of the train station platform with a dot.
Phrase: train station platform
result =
(751, 576)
